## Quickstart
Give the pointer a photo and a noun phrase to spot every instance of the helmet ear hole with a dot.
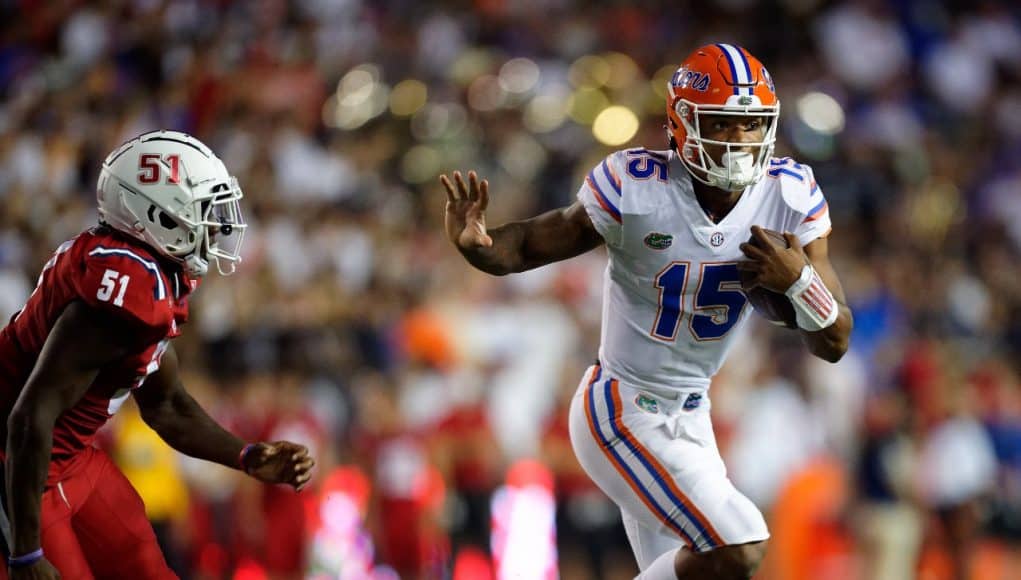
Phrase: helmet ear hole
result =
(167, 222)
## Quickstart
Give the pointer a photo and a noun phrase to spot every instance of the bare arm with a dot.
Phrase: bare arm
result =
(79, 345)
(175, 416)
(516, 246)
(180, 421)
(777, 268)
(831, 342)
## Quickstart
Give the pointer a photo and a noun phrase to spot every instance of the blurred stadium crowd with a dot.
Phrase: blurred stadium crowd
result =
(355, 328)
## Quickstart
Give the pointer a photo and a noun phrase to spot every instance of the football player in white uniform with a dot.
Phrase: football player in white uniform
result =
(676, 225)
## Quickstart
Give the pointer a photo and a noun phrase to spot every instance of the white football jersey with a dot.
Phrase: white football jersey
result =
(672, 299)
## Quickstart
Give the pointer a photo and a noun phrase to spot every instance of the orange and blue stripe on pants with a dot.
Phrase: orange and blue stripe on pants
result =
(635, 465)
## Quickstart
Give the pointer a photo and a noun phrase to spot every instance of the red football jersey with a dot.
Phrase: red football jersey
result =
(121, 278)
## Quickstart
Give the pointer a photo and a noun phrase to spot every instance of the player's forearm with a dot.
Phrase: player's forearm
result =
(505, 255)
(832, 342)
(186, 427)
(29, 444)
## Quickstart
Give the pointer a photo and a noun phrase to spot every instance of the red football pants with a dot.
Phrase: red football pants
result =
(94, 526)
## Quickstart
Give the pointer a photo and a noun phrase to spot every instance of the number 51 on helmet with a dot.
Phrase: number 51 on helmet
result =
(170, 191)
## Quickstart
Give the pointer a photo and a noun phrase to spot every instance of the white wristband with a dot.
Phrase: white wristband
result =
(814, 305)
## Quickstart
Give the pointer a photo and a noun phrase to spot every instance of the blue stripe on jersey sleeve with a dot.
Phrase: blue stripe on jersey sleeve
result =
(785, 171)
(816, 208)
(609, 177)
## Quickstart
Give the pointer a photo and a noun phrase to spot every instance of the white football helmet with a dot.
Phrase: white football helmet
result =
(170, 191)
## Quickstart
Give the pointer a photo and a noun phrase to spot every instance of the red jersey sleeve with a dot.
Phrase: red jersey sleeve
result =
(128, 284)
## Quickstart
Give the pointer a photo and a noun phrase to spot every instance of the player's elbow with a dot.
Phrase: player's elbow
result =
(832, 343)
(508, 267)
(499, 270)
(158, 417)
(833, 354)
(830, 350)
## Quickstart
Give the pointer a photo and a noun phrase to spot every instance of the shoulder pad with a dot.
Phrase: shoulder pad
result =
(797, 184)
(127, 283)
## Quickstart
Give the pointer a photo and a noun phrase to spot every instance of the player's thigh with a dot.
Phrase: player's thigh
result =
(660, 464)
(57, 538)
(648, 543)
(612, 446)
(60, 546)
(115, 535)
(59, 541)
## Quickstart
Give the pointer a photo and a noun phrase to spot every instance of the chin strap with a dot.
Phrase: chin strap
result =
(814, 305)
(194, 266)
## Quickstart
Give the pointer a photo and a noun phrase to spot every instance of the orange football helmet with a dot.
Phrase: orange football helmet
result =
(721, 79)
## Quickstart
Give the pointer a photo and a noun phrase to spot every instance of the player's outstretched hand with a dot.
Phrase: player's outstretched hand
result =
(466, 211)
(40, 570)
(774, 266)
(280, 462)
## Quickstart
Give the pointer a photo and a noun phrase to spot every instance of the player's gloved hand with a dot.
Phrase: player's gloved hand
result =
(466, 206)
(774, 266)
(40, 570)
(280, 462)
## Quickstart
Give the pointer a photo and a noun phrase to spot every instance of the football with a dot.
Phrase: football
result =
(773, 306)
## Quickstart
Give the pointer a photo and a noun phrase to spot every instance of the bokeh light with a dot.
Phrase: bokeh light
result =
(420, 163)
(486, 94)
(545, 113)
(470, 65)
(623, 70)
(360, 97)
(821, 112)
(519, 75)
(660, 79)
(438, 120)
(615, 125)
(590, 71)
(522, 156)
(407, 97)
(585, 104)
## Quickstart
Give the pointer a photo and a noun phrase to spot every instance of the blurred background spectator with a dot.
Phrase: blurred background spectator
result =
(355, 328)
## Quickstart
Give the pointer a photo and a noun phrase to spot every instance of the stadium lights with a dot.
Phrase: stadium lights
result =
(821, 113)
(519, 75)
(615, 125)
(545, 113)
(585, 104)
(589, 72)
(360, 97)
(408, 97)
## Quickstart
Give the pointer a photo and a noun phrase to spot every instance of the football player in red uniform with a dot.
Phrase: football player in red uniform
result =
(97, 329)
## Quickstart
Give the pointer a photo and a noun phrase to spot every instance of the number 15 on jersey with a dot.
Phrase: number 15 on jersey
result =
(716, 304)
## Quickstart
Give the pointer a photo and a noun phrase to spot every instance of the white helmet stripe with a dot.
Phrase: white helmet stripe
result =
(739, 65)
